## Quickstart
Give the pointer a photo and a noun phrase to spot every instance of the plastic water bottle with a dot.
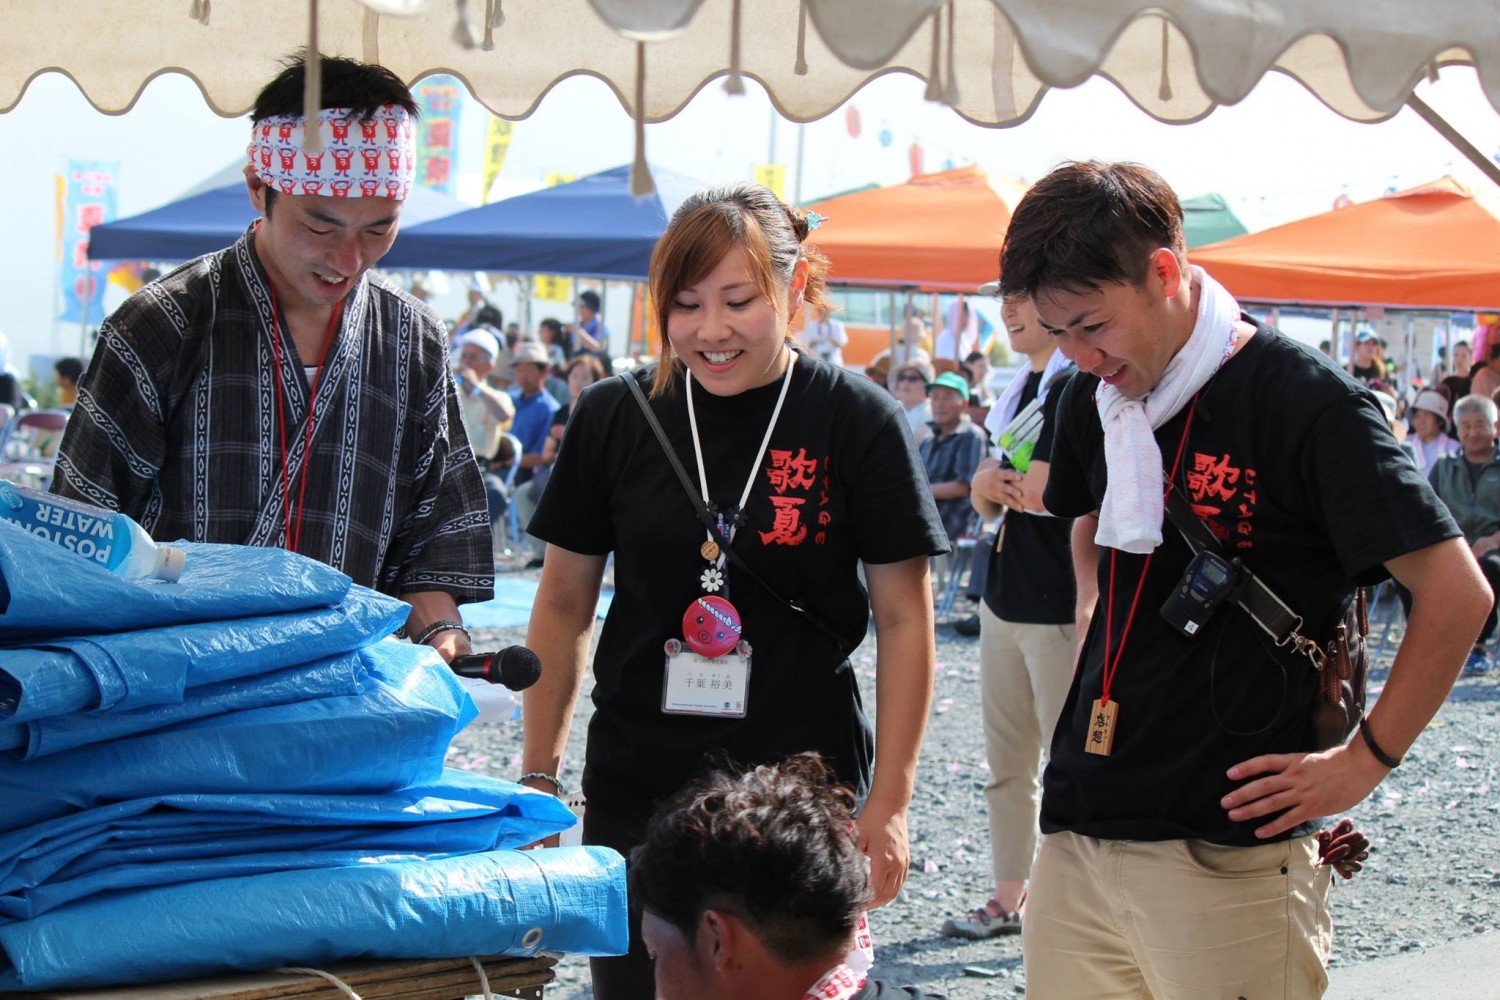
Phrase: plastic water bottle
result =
(111, 539)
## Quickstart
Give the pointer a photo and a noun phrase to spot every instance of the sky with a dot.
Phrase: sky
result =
(1279, 155)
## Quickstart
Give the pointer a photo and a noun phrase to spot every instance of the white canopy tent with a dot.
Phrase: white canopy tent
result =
(990, 60)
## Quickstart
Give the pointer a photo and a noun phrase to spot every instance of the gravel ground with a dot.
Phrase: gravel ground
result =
(1434, 873)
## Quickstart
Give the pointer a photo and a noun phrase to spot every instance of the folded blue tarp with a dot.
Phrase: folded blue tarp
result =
(161, 666)
(391, 735)
(163, 841)
(47, 590)
(341, 675)
(514, 903)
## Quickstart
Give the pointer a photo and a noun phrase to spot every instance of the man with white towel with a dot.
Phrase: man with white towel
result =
(1184, 780)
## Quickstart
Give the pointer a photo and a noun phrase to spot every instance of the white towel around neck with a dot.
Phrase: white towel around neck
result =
(1130, 518)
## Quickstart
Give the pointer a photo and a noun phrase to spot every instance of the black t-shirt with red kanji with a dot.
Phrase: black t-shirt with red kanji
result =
(840, 482)
(1291, 463)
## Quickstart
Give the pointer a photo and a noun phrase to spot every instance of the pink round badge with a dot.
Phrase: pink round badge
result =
(711, 626)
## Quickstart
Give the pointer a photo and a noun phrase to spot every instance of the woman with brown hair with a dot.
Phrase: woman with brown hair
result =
(792, 472)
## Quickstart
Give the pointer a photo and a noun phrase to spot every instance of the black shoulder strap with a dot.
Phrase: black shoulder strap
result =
(1267, 610)
(706, 516)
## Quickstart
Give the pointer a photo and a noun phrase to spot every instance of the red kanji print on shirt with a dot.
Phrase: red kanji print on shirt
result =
(793, 476)
(1224, 497)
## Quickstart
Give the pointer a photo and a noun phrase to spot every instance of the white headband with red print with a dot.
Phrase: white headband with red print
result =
(374, 157)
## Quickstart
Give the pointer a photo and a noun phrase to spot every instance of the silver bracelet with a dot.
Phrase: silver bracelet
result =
(550, 779)
(441, 626)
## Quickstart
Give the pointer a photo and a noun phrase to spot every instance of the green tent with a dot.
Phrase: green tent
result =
(1208, 219)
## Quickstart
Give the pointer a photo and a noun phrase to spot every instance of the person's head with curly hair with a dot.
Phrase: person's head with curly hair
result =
(749, 881)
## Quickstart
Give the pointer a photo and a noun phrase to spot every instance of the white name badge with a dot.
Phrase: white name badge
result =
(694, 684)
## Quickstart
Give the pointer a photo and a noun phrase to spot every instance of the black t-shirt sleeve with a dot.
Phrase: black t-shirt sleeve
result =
(1074, 421)
(575, 512)
(1371, 500)
(895, 517)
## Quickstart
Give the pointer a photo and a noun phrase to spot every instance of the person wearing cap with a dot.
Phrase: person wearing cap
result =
(278, 392)
(1429, 440)
(952, 452)
(534, 404)
(487, 410)
(908, 382)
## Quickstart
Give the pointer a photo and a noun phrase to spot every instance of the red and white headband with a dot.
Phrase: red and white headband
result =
(373, 157)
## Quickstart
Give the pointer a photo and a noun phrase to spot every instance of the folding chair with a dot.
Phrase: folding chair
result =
(28, 446)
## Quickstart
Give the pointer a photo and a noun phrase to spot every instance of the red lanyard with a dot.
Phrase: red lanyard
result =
(294, 535)
(1112, 661)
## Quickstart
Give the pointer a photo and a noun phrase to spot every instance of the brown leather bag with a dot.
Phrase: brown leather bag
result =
(1340, 703)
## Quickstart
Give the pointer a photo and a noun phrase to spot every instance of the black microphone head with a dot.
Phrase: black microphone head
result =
(518, 667)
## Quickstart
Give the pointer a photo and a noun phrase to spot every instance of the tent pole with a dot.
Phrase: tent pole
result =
(1486, 166)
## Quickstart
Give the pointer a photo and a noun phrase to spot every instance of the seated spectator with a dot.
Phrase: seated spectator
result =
(909, 385)
(581, 372)
(755, 887)
(1469, 483)
(486, 411)
(535, 407)
(1429, 440)
(952, 452)
(67, 371)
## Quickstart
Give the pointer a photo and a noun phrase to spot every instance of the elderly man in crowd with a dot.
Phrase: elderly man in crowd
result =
(952, 452)
(278, 393)
(487, 411)
(1469, 483)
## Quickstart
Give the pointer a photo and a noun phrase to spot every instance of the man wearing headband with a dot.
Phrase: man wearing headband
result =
(277, 393)
(1185, 777)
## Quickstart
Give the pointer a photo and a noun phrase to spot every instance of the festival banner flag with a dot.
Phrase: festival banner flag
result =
(441, 102)
(555, 287)
(773, 176)
(89, 199)
(496, 143)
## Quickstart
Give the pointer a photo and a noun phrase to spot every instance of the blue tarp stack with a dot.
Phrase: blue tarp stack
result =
(236, 772)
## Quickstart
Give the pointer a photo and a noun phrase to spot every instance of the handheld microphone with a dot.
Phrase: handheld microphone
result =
(516, 667)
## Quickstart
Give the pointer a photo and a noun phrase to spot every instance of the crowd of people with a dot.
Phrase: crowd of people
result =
(764, 505)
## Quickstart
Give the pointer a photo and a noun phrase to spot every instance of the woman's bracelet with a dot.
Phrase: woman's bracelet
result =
(1380, 755)
(441, 626)
(550, 779)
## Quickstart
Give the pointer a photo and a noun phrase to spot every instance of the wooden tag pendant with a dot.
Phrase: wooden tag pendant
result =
(1101, 738)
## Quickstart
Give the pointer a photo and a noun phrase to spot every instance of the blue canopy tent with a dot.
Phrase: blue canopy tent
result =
(209, 220)
(593, 227)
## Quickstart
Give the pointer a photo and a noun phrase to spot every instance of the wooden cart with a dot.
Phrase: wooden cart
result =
(435, 979)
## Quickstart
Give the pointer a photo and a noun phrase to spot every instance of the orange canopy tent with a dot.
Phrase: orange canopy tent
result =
(1431, 247)
(937, 232)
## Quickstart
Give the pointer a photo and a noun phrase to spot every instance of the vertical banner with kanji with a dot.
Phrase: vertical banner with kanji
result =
(88, 199)
(496, 142)
(441, 101)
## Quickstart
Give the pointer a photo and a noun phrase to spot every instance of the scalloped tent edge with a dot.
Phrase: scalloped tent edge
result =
(989, 60)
